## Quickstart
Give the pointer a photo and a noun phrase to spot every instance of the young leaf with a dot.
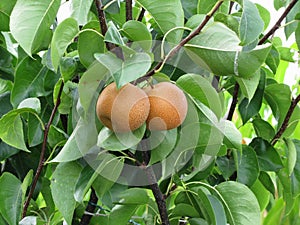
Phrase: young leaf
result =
(263, 129)
(65, 32)
(245, 204)
(261, 193)
(63, 187)
(167, 14)
(30, 22)
(10, 198)
(113, 35)
(249, 85)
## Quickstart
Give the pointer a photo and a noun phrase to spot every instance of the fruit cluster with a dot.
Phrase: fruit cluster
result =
(162, 106)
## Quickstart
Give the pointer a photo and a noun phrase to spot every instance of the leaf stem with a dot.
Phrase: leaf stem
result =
(128, 10)
(278, 23)
(285, 122)
(182, 42)
(42, 156)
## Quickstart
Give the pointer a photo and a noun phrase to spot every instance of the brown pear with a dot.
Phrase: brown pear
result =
(168, 106)
(124, 109)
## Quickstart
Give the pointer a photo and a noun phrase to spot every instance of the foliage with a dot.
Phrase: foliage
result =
(59, 165)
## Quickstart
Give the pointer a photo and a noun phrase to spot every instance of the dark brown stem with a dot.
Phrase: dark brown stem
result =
(285, 122)
(42, 156)
(103, 24)
(141, 16)
(128, 10)
(158, 195)
(234, 101)
(182, 42)
(230, 7)
(85, 220)
(278, 23)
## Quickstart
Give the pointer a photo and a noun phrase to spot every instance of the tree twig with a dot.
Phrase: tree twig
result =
(158, 195)
(285, 122)
(234, 101)
(128, 10)
(103, 24)
(278, 23)
(43, 150)
(182, 42)
(85, 219)
(141, 15)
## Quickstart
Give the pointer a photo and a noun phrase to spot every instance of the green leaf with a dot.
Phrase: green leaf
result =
(10, 198)
(138, 32)
(109, 140)
(292, 155)
(273, 59)
(121, 214)
(217, 43)
(134, 196)
(291, 27)
(248, 170)
(297, 35)
(89, 42)
(295, 176)
(133, 67)
(263, 129)
(63, 188)
(213, 207)
(264, 14)
(249, 85)
(82, 139)
(278, 96)
(80, 10)
(68, 66)
(204, 7)
(26, 183)
(113, 35)
(251, 24)
(275, 214)
(63, 35)
(31, 103)
(11, 128)
(245, 204)
(286, 54)
(56, 135)
(189, 8)
(161, 144)
(232, 138)
(30, 22)
(183, 209)
(94, 77)
(6, 6)
(249, 108)
(267, 182)
(6, 150)
(29, 80)
(261, 193)
(268, 157)
(167, 14)
(201, 89)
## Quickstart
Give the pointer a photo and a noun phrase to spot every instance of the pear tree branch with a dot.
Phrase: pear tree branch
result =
(42, 156)
(128, 10)
(286, 120)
